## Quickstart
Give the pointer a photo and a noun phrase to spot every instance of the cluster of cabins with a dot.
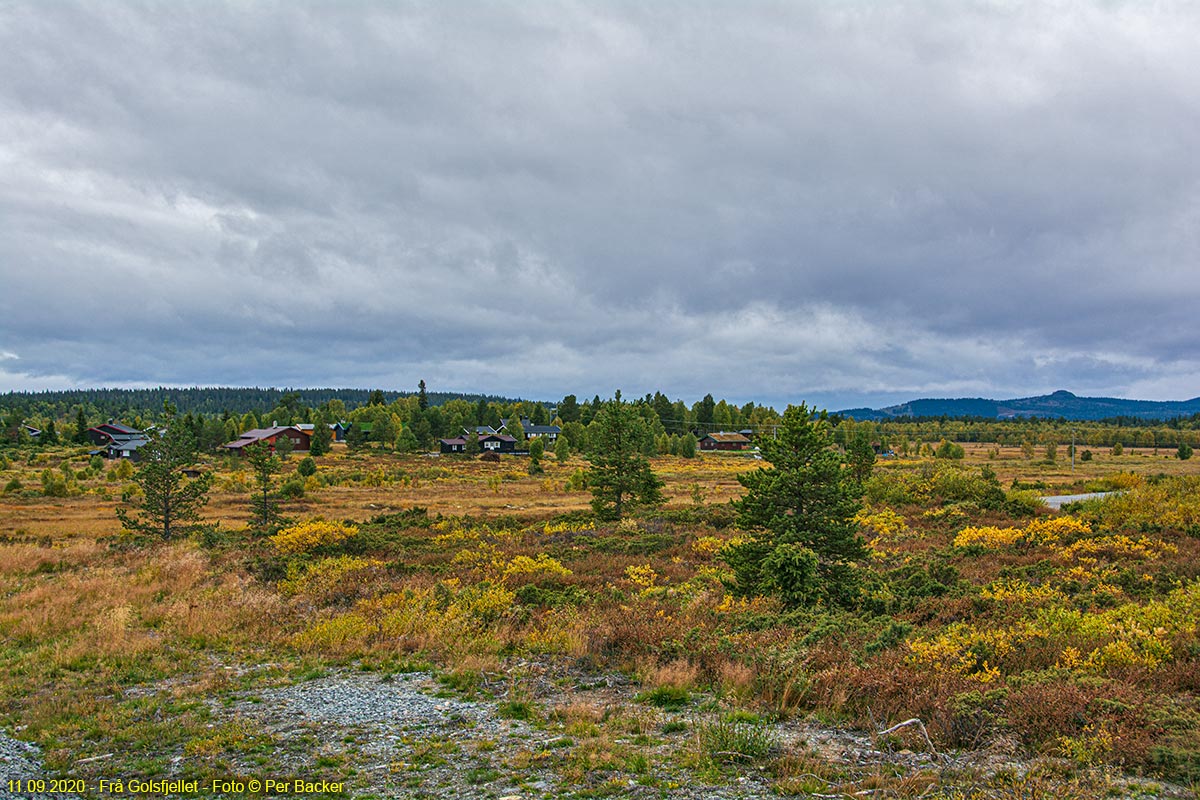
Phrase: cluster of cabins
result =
(298, 437)
(120, 441)
(491, 440)
(117, 441)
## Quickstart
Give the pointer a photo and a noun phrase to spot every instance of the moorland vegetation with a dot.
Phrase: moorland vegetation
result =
(818, 582)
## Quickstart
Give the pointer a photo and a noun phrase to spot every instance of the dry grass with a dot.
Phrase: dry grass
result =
(93, 619)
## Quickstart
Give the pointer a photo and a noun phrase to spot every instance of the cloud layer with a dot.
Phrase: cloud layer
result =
(838, 202)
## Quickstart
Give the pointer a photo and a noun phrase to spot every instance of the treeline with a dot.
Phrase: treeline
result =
(416, 420)
(147, 404)
(906, 434)
(404, 421)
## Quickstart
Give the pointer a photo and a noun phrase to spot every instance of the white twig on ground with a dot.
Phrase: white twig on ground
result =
(920, 725)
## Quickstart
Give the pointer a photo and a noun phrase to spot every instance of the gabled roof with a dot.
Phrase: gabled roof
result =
(129, 443)
(116, 428)
(259, 434)
(263, 433)
(529, 427)
(722, 436)
(482, 430)
(459, 441)
(502, 437)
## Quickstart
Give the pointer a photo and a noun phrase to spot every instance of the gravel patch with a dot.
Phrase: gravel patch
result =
(403, 740)
(397, 736)
(20, 761)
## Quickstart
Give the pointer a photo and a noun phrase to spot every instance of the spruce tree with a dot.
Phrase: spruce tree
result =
(515, 430)
(263, 464)
(619, 475)
(322, 437)
(536, 449)
(81, 427)
(801, 510)
(171, 502)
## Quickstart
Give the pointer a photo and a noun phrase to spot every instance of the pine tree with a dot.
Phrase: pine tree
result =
(515, 430)
(356, 437)
(801, 509)
(263, 464)
(322, 437)
(619, 475)
(568, 409)
(169, 499)
(406, 441)
(422, 398)
(536, 449)
(81, 427)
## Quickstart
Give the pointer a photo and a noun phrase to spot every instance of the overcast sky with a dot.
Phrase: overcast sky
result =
(840, 202)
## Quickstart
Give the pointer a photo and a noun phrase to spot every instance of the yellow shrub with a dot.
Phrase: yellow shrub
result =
(1039, 532)
(734, 605)
(346, 633)
(988, 536)
(1012, 590)
(884, 523)
(454, 532)
(1169, 503)
(483, 556)
(310, 535)
(485, 602)
(708, 546)
(1094, 746)
(567, 527)
(641, 575)
(542, 566)
(1053, 529)
(1117, 548)
(324, 577)
(558, 632)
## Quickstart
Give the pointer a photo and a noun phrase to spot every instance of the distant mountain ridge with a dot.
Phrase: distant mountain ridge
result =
(1057, 404)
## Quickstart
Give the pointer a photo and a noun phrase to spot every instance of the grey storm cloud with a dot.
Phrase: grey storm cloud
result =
(833, 201)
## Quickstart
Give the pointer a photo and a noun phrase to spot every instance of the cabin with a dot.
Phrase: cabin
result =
(301, 440)
(338, 433)
(118, 441)
(498, 443)
(724, 441)
(130, 448)
(111, 432)
(457, 445)
(482, 430)
(548, 432)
